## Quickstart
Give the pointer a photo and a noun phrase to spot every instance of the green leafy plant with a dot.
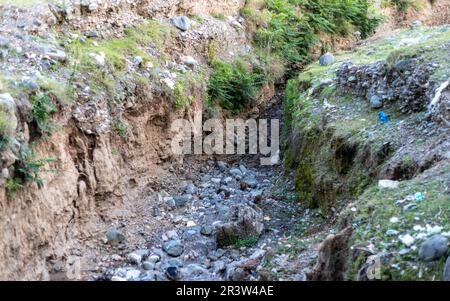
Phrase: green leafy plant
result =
(295, 25)
(12, 187)
(42, 109)
(28, 167)
(234, 85)
(121, 127)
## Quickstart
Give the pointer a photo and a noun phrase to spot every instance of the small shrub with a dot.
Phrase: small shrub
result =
(121, 127)
(28, 167)
(12, 187)
(248, 242)
(42, 109)
(219, 16)
(182, 98)
(234, 85)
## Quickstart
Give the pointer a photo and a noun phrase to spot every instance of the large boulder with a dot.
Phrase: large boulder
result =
(447, 270)
(243, 222)
(433, 248)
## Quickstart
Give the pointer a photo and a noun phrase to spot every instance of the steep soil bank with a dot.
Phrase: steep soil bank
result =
(106, 151)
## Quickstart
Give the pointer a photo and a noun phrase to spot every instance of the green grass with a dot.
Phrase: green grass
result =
(121, 127)
(117, 51)
(248, 242)
(219, 16)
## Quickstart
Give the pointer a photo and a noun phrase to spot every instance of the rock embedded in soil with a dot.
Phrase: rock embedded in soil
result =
(114, 236)
(243, 223)
(433, 248)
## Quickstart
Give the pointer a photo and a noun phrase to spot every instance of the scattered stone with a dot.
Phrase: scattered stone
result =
(243, 222)
(134, 258)
(391, 232)
(114, 236)
(181, 22)
(388, 184)
(173, 248)
(172, 273)
(190, 189)
(433, 248)
(206, 230)
(236, 173)
(180, 201)
(376, 102)
(222, 165)
(416, 24)
(148, 266)
(327, 59)
(407, 239)
(189, 61)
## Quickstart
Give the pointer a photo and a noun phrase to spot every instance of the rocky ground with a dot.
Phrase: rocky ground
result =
(227, 218)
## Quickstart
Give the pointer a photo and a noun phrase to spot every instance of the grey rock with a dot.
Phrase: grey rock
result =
(181, 201)
(206, 230)
(447, 270)
(153, 258)
(92, 34)
(4, 43)
(56, 54)
(391, 232)
(222, 165)
(193, 270)
(250, 182)
(148, 266)
(170, 202)
(433, 248)
(243, 222)
(416, 24)
(190, 189)
(173, 248)
(134, 258)
(219, 266)
(376, 102)
(137, 60)
(30, 84)
(114, 236)
(236, 173)
(133, 274)
(327, 59)
(189, 61)
(181, 22)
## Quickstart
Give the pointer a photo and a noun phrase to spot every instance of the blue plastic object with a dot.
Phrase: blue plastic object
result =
(383, 117)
